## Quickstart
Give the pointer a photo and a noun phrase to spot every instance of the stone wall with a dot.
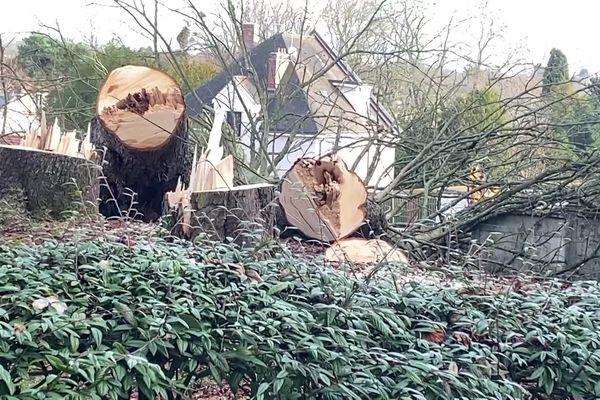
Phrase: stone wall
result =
(541, 244)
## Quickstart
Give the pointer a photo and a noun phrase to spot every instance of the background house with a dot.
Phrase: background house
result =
(18, 115)
(308, 100)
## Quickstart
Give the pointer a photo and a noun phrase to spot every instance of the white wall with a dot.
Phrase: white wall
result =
(349, 149)
(21, 115)
(450, 197)
(350, 145)
(303, 146)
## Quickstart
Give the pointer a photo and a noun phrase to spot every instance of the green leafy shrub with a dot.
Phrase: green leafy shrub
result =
(94, 319)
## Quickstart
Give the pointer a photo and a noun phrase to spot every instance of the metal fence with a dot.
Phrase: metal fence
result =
(408, 208)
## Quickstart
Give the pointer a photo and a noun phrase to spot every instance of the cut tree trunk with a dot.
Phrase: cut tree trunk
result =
(373, 227)
(46, 184)
(242, 214)
(324, 200)
(140, 129)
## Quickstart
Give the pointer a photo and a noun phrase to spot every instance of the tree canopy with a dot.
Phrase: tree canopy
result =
(478, 113)
(573, 114)
(556, 71)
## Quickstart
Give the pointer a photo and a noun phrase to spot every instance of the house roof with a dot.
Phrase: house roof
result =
(310, 100)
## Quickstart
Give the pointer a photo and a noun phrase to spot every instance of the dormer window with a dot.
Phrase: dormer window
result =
(357, 94)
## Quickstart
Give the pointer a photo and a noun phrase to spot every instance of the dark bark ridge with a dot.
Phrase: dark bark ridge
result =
(47, 184)
(146, 175)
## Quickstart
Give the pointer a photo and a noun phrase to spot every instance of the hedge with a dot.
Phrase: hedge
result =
(95, 319)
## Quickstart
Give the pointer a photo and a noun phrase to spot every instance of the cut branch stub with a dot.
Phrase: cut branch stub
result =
(141, 106)
(323, 199)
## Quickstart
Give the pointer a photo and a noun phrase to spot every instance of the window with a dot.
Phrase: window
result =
(234, 119)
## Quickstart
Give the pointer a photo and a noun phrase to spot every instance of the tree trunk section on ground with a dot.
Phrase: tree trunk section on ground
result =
(364, 251)
(322, 200)
(140, 129)
(373, 227)
(243, 214)
(46, 184)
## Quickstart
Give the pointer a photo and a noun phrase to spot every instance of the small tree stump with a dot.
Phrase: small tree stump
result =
(46, 184)
(242, 214)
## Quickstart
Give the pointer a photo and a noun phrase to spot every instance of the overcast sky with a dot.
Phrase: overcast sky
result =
(536, 25)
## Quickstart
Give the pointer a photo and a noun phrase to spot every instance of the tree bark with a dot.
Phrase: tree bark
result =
(47, 184)
(243, 215)
(147, 175)
(375, 223)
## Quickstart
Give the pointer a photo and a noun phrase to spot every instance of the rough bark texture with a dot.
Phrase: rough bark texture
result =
(148, 174)
(373, 227)
(375, 223)
(245, 214)
(46, 184)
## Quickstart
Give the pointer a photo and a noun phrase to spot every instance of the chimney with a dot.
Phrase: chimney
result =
(271, 71)
(248, 36)
(277, 65)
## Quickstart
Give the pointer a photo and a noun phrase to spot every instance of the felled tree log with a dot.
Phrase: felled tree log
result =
(141, 129)
(373, 227)
(242, 214)
(323, 200)
(46, 184)
(364, 251)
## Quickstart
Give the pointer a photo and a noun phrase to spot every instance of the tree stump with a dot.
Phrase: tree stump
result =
(140, 128)
(243, 215)
(47, 184)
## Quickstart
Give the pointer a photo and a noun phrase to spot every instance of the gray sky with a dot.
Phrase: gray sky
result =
(534, 26)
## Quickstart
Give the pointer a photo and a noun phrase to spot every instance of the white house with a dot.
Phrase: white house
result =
(310, 102)
(21, 113)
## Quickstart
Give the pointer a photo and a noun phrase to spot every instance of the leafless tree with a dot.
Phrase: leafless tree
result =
(455, 108)
(4, 88)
